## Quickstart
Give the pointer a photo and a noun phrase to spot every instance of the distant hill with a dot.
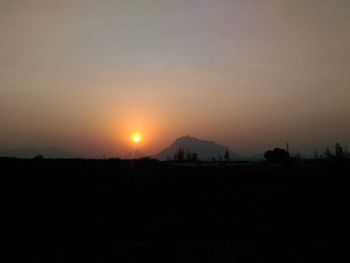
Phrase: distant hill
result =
(206, 150)
(51, 152)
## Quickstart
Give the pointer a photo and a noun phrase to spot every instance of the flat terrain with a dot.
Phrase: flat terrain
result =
(147, 211)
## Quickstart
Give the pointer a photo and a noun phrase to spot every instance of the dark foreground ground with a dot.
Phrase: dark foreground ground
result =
(115, 211)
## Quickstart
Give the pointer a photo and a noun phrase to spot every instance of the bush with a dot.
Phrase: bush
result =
(278, 155)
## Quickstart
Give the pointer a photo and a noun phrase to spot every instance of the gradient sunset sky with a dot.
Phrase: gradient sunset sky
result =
(84, 75)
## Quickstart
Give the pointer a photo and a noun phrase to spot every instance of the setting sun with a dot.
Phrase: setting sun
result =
(136, 138)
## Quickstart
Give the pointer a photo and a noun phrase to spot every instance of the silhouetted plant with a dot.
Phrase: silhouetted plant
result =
(180, 155)
(339, 155)
(38, 157)
(191, 156)
(188, 155)
(220, 157)
(339, 152)
(328, 155)
(194, 156)
(297, 156)
(227, 156)
(278, 155)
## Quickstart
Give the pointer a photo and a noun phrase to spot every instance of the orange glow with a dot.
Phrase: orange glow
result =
(154, 127)
(136, 138)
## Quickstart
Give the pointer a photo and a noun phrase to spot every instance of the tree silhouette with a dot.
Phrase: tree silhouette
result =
(180, 155)
(38, 157)
(188, 155)
(191, 156)
(227, 156)
(278, 155)
(339, 152)
(297, 155)
(339, 155)
(220, 157)
(328, 154)
(194, 156)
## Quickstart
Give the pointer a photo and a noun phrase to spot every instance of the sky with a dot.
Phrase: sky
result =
(84, 75)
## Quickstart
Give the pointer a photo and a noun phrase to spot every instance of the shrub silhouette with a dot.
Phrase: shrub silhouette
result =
(194, 156)
(182, 155)
(328, 155)
(278, 155)
(220, 158)
(227, 155)
(339, 152)
(38, 157)
(179, 155)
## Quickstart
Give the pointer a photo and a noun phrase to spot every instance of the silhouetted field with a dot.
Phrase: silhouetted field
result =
(148, 211)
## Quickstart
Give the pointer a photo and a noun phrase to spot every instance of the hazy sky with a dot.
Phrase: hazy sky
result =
(83, 75)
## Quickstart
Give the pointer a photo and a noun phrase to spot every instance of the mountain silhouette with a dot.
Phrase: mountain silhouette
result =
(206, 150)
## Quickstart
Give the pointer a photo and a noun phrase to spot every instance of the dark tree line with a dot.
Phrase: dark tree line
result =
(338, 155)
(279, 155)
(182, 155)
(187, 155)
